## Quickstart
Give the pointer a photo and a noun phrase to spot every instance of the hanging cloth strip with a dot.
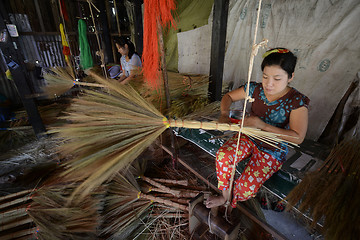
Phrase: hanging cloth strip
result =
(65, 44)
(86, 60)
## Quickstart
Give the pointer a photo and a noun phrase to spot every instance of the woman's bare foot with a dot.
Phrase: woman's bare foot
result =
(215, 201)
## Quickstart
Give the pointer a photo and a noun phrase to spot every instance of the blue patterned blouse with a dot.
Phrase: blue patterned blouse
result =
(275, 113)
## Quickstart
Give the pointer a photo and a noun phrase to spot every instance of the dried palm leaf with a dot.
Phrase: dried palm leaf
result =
(107, 131)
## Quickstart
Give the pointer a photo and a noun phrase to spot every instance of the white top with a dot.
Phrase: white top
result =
(134, 62)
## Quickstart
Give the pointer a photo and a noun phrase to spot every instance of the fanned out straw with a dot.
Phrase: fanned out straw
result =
(60, 80)
(333, 192)
(107, 131)
(56, 220)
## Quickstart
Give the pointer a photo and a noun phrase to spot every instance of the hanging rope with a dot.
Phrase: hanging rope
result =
(101, 52)
(254, 51)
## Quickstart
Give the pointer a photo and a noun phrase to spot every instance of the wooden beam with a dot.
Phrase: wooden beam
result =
(38, 12)
(138, 22)
(218, 39)
(105, 33)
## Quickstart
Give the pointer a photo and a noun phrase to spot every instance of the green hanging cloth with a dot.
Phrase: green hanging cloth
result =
(86, 60)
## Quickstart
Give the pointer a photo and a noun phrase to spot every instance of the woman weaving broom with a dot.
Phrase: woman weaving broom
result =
(277, 108)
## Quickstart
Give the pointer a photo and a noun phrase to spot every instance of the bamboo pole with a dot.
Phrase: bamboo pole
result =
(163, 201)
(15, 224)
(18, 234)
(91, 5)
(171, 181)
(17, 194)
(9, 216)
(166, 85)
(160, 186)
(171, 215)
(117, 18)
(14, 202)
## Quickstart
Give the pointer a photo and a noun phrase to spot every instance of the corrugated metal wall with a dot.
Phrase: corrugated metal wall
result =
(7, 87)
(45, 51)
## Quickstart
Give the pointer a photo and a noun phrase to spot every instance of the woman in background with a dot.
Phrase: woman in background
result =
(130, 60)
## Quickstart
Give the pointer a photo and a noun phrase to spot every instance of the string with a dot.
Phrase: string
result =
(254, 51)
(209, 222)
(117, 18)
(91, 5)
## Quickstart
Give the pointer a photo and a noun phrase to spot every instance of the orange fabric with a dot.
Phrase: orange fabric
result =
(154, 10)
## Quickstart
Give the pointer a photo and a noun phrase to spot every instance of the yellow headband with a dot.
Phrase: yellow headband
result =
(276, 50)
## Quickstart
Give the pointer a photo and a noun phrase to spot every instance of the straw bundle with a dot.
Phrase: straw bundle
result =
(188, 91)
(60, 80)
(109, 130)
(57, 220)
(333, 192)
(126, 204)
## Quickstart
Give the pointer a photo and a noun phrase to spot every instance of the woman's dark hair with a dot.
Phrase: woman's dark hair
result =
(281, 57)
(121, 41)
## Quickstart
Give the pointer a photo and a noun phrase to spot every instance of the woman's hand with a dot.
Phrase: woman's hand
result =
(224, 119)
(254, 121)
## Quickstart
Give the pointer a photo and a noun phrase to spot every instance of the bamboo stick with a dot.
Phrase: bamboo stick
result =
(15, 224)
(172, 215)
(12, 214)
(89, 84)
(22, 233)
(14, 202)
(164, 201)
(160, 186)
(13, 195)
(171, 181)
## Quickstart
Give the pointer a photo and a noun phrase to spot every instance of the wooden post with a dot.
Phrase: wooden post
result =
(138, 22)
(218, 39)
(105, 33)
(17, 69)
(38, 12)
(166, 86)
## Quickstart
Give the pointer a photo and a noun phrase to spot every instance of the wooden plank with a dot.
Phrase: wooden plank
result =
(218, 39)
